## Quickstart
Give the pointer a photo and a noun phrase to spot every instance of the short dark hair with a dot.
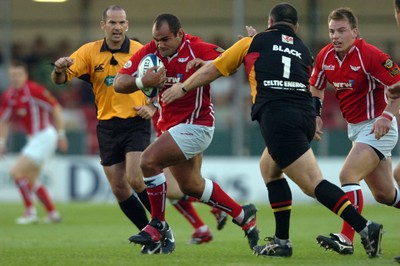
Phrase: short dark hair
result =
(113, 7)
(19, 63)
(344, 13)
(397, 4)
(284, 12)
(173, 22)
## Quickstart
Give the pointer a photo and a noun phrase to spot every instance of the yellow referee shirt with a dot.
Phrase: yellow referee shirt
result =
(95, 63)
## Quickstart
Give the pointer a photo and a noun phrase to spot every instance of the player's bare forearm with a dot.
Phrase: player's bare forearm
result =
(393, 92)
(58, 118)
(124, 83)
(317, 93)
(205, 75)
(4, 129)
(393, 105)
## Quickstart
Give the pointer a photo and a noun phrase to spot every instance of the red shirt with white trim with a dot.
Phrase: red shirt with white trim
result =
(359, 79)
(31, 105)
(193, 108)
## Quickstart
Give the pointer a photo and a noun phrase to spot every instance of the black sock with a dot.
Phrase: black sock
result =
(135, 212)
(280, 198)
(144, 198)
(336, 200)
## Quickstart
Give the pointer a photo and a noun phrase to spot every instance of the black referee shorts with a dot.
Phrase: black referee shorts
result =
(287, 132)
(118, 136)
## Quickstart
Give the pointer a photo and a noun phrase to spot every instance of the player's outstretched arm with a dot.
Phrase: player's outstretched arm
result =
(250, 32)
(205, 75)
(318, 95)
(58, 120)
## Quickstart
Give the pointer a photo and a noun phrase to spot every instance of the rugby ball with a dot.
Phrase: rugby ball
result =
(148, 61)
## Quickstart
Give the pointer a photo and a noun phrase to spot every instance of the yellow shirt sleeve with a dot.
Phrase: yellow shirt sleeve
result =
(80, 66)
(233, 57)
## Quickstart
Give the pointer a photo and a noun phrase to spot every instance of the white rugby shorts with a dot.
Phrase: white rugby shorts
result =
(41, 146)
(192, 139)
(361, 133)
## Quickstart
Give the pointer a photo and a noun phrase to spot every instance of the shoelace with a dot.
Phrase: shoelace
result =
(368, 245)
(269, 247)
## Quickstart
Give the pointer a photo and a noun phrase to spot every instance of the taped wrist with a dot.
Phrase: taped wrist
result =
(317, 102)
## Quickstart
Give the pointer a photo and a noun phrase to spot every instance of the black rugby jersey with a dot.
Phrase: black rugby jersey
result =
(278, 65)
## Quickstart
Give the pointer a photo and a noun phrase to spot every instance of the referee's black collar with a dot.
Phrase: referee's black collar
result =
(124, 48)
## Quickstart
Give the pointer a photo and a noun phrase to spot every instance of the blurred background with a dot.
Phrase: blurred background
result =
(40, 32)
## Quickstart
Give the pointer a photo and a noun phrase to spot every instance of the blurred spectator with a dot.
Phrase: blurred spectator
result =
(78, 98)
(18, 51)
(222, 97)
(220, 41)
(62, 48)
(3, 73)
(39, 62)
(331, 114)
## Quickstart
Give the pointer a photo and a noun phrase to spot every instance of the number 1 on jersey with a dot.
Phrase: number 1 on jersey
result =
(286, 61)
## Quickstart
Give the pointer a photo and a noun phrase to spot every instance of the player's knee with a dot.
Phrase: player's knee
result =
(137, 184)
(191, 190)
(309, 192)
(383, 198)
(147, 163)
(15, 173)
(396, 175)
(121, 192)
(186, 189)
(349, 177)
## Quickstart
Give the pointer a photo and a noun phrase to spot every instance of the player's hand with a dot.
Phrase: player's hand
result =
(381, 127)
(154, 77)
(63, 63)
(173, 93)
(250, 32)
(393, 92)
(195, 63)
(318, 128)
(146, 111)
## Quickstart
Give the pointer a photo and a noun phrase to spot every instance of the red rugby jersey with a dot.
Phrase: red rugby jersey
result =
(31, 105)
(359, 79)
(195, 107)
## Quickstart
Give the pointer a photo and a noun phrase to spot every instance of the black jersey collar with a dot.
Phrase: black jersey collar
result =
(281, 27)
(124, 48)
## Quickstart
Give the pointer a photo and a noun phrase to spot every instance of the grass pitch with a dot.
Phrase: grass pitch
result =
(96, 234)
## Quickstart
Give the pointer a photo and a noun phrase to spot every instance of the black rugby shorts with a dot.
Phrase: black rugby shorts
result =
(118, 136)
(287, 132)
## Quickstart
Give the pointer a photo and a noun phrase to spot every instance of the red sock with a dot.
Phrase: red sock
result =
(157, 196)
(44, 197)
(185, 207)
(26, 192)
(355, 195)
(214, 196)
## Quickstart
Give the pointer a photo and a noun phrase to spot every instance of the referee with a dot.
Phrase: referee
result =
(121, 133)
